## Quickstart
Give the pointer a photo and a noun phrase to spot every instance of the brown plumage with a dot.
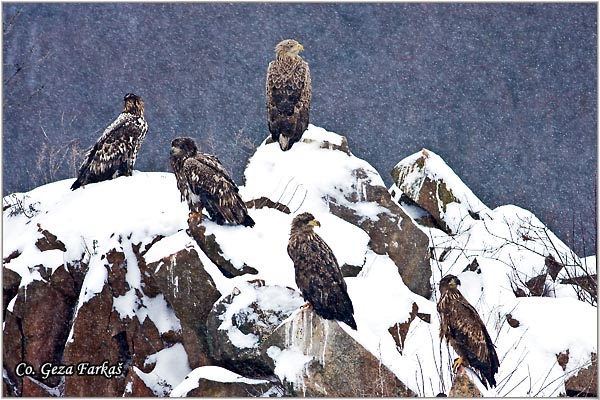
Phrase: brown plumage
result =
(465, 331)
(115, 152)
(288, 94)
(204, 183)
(318, 275)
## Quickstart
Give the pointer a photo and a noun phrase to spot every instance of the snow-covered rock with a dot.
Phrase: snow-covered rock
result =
(321, 175)
(219, 382)
(113, 272)
(506, 259)
(239, 324)
(314, 357)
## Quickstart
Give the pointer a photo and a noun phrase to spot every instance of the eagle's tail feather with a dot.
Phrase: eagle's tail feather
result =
(349, 320)
(76, 184)
(248, 221)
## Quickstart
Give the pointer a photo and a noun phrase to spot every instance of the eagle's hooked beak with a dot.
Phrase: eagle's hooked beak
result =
(314, 222)
(174, 151)
(300, 47)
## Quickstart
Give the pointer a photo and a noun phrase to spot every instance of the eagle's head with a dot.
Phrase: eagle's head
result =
(183, 147)
(304, 222)
(449, 282)
(134, 104)
(288, 47)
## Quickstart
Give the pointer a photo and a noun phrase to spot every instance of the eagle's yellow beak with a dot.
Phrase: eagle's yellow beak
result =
(174, 150)
(454, 283)
(300, 47)
(314, 222)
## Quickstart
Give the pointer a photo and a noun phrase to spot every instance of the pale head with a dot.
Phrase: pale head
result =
(288, 47)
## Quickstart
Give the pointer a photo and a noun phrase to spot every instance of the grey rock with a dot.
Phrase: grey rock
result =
(336, 365)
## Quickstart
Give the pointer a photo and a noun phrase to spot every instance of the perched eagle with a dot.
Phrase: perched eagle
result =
(115, 152)
(203, 182)
(318, 275)
(465, 331)
(288, 94)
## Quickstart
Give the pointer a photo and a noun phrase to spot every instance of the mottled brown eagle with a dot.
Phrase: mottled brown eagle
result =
(204, 183)
(288, 94)
(465, 331)
(318, 275)
(115, 151)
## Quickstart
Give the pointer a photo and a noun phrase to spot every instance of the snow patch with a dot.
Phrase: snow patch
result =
(211, 373)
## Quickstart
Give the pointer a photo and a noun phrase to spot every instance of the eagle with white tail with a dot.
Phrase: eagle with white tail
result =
(288, 94)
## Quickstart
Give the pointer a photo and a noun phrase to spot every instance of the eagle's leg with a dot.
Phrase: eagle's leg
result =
(305, 305)
(195, 216)
(457, 364)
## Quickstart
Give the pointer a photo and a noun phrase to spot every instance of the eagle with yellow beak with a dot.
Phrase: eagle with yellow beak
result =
(288, 94)
(318, 274)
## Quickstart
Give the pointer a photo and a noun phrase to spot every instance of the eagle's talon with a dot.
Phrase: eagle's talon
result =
(457, 364)
(194, 215)
(305, 306)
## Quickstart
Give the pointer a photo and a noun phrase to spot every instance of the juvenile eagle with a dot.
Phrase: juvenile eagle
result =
(115, 152)
(465, 331)
(203, 182)
(288, 94)
(318, 275)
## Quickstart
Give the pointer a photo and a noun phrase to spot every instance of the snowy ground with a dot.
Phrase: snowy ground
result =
(135, 209)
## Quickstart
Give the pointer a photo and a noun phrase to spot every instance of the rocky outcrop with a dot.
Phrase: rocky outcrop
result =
(350, 189)
(328, 361)
(585, 382)
(220, 382)
(428, 182)
(38, 325)
(462, 386)
(169, 308)
(208, 388)
(211, 248)
(239, 324)
(392, 232)
(191, 292)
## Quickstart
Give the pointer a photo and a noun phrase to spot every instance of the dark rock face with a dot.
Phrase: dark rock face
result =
(400, 329)
(208, 388)
(191, 292)
(336, 365)
(98, 335)
(45, 324)
(462, 386)
(49, 241)
(211, 248)
(10, 287)
(392, 232)
(38, 326)
(135, 386)
(585, 382)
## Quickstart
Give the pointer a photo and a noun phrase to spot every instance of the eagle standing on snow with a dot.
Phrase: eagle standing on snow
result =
(465, 331)
(318, 275)
(115, 152)
(203, 182)
(288, 94)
